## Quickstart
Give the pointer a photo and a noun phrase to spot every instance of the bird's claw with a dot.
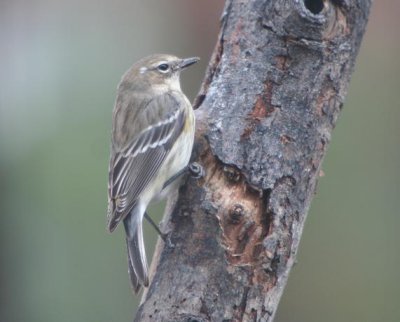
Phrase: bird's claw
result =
(167, 240)
(196, 170)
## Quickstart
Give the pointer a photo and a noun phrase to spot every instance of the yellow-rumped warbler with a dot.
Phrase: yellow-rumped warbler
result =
(152, 140)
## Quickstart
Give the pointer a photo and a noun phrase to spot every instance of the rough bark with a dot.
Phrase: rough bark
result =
(266, 110)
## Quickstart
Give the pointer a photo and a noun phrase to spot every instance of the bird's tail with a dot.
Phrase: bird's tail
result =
(137, 262)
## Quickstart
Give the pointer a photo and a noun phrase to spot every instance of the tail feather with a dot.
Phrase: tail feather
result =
(134, 280)
(136, 251)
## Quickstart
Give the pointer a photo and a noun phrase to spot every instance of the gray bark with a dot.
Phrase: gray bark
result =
(269, 102)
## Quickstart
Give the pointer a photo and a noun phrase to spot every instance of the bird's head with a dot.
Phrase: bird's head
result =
(158, 71)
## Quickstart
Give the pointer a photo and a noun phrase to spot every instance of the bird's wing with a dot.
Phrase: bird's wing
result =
(134, 166)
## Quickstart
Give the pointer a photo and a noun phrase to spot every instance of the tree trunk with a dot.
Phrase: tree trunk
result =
(270, 99)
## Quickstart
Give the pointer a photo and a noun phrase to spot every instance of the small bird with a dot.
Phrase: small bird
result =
(152, 140)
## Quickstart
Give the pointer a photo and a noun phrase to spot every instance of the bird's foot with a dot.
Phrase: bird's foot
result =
(196, 170)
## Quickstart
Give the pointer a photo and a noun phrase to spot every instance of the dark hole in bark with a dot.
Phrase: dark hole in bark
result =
(315, 6)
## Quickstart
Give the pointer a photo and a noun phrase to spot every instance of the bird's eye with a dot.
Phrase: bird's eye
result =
(163, 68)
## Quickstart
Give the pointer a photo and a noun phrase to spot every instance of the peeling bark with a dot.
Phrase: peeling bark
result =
(269, 102)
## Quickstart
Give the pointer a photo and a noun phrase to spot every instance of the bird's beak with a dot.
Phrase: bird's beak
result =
(186, 62)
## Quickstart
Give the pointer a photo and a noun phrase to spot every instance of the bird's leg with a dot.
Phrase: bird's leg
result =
(163, 236)
(155, 226)
(195, 169)
(175, 176)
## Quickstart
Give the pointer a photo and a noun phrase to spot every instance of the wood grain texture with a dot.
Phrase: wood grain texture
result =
(269, 102)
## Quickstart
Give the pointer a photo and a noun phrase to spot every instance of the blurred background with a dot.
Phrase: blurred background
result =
(60, 64)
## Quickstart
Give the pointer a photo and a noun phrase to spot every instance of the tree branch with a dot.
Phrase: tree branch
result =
(269, 102)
